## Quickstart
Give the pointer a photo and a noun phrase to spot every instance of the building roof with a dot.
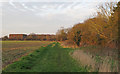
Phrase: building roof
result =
(17, 34)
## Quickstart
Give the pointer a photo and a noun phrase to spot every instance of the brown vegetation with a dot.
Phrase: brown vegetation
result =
(96, 59)
(100, 30)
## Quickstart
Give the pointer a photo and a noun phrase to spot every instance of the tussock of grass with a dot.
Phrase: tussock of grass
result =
(105, 59)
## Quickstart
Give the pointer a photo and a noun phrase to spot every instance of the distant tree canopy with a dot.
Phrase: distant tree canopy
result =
(5, 38)
(61, 35)
(41, 37)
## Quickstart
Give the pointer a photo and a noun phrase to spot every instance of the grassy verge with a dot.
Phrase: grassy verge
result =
(102, 59)
(106, 59)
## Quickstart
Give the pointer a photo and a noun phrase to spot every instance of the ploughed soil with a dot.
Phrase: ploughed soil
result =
(13, 50)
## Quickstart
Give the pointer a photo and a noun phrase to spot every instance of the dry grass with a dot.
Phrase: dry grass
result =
(101, 59)
(83, 58)
(68, 44)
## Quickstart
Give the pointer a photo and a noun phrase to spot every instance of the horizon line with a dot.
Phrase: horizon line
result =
(29, 33)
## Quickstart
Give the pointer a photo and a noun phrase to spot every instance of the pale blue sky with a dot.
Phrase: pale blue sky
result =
(44, 17)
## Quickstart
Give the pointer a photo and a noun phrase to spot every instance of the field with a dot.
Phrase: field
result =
(13, 50)
(52, 58)
(44, 56)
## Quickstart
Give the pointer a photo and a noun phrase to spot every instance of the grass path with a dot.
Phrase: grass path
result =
(52, 58)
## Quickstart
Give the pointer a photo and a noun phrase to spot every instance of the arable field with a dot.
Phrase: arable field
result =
(13, 50)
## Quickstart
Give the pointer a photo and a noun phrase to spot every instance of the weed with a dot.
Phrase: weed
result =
(98, 59)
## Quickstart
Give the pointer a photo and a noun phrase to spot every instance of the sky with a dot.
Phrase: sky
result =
(44, 17)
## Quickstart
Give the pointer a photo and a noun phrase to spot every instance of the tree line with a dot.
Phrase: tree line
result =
(102, 29)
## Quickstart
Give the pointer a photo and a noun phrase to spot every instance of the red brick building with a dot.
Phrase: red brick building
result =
(17, 36)
(41, 37)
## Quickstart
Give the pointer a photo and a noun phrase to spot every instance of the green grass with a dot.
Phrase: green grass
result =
(47, 59)
(98, 59)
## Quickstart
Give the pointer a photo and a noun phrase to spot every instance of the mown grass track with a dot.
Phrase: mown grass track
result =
(52, 58)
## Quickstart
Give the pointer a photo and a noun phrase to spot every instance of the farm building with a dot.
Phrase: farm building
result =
(41, 37)
(17, 36)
